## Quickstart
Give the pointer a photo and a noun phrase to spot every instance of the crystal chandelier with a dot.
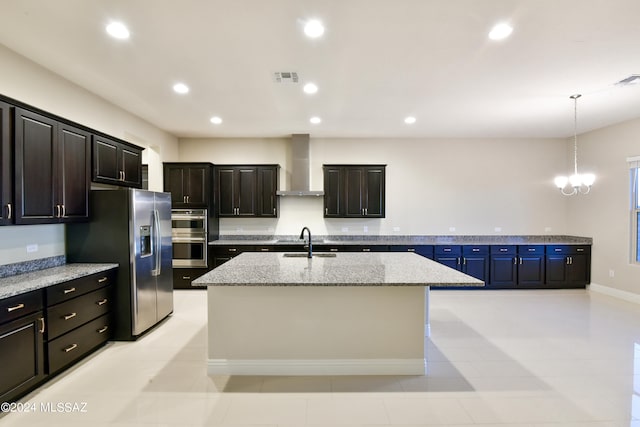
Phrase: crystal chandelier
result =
(578, 183)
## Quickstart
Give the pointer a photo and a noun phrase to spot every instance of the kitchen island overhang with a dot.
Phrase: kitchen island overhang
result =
(355, 313)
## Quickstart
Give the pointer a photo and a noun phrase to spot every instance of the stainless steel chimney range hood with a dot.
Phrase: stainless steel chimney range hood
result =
(300, 168)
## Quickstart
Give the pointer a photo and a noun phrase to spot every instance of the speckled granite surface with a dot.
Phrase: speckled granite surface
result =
(405, 240)
(21, 283)
(346, 269)
(32, 265)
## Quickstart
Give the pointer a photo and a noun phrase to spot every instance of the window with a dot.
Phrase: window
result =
(634, 169)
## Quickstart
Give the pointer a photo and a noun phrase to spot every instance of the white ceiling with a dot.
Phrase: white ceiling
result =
(378, 62)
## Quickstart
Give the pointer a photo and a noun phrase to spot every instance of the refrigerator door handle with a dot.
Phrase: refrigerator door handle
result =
(157, 260)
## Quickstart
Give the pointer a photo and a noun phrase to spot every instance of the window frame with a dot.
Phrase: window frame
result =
(634, 204)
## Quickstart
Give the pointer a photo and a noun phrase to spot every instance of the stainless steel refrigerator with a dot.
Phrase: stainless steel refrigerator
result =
(133, 228)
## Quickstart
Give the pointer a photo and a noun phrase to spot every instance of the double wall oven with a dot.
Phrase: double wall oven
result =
(189, 236)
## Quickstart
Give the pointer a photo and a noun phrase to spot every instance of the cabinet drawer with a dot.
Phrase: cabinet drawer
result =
(568, 249)
(182, 277)
(475, 249)
(531, 249)
(424, 250)
(20, 305)
(503, 249)
(64, 317)
(73, 288)
(454, 250)
(72, 346)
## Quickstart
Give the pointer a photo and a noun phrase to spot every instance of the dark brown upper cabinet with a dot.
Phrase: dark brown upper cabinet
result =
(52, 161)
(354, 191)
(6, 166)
(246, 190)
(190, 184)
(116, 163)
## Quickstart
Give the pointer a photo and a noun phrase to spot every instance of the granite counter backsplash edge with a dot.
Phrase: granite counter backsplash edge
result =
(14, 269)
(421, 239)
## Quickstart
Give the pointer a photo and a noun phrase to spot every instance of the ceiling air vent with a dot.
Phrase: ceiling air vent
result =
(286, 77)
(631, 80)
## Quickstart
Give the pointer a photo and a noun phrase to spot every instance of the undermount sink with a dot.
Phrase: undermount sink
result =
(304, 255)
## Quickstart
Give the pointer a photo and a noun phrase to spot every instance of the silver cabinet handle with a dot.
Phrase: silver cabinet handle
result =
(475, 250)
(68, 291)
(515, 260)
(274, 211)
(9, 214)
(71, 347)
(531, 250)
(326, 211)
(70, 316)
(64, 211)
(333, 250)
(366, 250)
(411, 250)
(103, 329)
(464, 261)
(264, 249)
(503, 249)
(57, 215)
(103, 279)
(232, 250)
(520, 260)
(366, 211)
(102, 302)
(186, 277)
(41, 319)
(15, 307)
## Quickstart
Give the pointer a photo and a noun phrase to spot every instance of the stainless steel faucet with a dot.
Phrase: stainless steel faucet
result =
(310, 252)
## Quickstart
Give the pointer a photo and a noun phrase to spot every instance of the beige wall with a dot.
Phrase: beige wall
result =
(28, 82)
(473, 185)
(604, 214)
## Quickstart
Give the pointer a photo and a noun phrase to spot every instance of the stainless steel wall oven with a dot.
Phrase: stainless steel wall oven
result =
(189, 236)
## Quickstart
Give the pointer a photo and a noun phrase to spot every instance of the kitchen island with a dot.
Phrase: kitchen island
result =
(333, 314)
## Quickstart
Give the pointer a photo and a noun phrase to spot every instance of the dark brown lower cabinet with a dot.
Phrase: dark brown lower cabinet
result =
(21, 345)
(182, 277)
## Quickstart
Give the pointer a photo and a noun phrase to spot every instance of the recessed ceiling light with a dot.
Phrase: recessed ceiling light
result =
(310, 88)
(315, 120)
(216, 120)
(500, 31)
(118, 30)
(181, 88)
(314, 28)
(410, 120)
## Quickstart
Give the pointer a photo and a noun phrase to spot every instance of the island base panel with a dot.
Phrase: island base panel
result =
(316, 330)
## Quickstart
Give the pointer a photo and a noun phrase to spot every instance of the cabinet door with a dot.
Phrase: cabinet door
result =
(531, 270)
(374, 192)
(105, 160)
(36, 168)
(354, 196)
(131, 166)
(247, 188)
(74, 154)
(556, 270)
(503, 271)
(578, 270)
(6, 166)
(267, 187)
(226, 191)
(333, 192)
(21, 356)
(175, 183)
(198, 178)
(476, 266)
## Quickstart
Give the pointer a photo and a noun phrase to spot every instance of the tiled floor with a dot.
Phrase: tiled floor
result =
(496, 358)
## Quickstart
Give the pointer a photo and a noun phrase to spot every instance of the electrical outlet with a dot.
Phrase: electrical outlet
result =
(32, 248)
(497, 229)
(452, 229)
(345, 229)
(365, 229)
(396, 229)
(612, 273)
(547, 229)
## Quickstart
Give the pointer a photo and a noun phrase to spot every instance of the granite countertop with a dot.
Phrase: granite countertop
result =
(407, 240)
(22, 283)
(345, 269)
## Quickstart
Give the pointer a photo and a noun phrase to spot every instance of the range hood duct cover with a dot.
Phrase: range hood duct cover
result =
(300, 168)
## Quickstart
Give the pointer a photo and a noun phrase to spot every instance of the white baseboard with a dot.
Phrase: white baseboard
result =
(617, 293)
(316, 367)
